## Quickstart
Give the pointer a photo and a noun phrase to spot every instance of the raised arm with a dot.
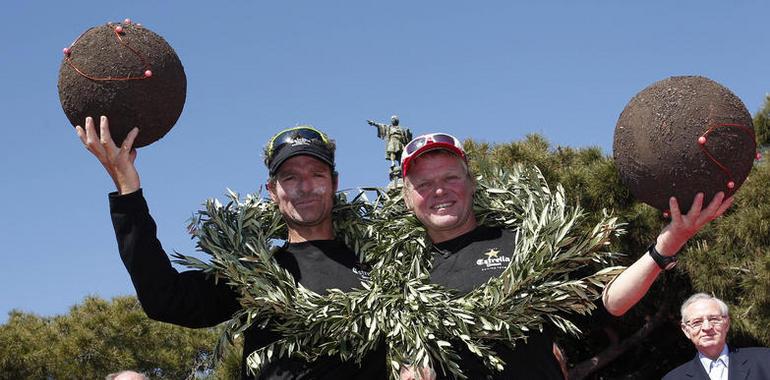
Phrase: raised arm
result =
(188, 298)
(631, 285)
(118, 161)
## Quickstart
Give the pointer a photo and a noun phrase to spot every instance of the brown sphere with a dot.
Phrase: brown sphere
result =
(127, 73)
(681, 136)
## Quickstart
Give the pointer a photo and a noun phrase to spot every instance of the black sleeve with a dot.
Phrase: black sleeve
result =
(190, 298)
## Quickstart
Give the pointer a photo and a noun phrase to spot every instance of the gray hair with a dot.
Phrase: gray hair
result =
(113, 376)
(704, 297)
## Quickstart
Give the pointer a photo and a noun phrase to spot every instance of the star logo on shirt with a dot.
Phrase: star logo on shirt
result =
(492, 253)
(494, 260)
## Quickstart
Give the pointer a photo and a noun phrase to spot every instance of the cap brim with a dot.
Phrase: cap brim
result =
(431, 147)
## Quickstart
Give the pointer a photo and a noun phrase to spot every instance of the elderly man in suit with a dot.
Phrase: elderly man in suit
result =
(705, 321)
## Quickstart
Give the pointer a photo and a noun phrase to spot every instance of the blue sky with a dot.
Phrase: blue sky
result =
(494, 71)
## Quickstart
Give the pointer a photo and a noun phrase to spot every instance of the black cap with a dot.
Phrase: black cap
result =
(298, 147)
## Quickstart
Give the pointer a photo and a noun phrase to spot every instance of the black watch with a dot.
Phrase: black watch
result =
(664, 262)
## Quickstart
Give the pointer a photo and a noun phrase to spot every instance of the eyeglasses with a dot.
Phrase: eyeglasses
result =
(292, 135)
(713, 320)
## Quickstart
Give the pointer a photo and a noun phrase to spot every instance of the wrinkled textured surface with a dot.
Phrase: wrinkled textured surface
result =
(152, 104)
(656, 145)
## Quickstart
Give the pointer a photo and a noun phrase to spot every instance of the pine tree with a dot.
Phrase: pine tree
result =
(730, 258)
(98, 337)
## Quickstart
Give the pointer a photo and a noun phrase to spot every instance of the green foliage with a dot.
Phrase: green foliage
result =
(400, 307)
(730, 257)
(24, 341)
(228, 366)
(588, 177)
(98, 337)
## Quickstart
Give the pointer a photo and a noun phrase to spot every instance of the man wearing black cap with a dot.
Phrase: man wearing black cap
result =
(302, 183)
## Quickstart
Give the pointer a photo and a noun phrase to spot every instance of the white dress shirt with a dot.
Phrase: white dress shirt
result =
(717, 369)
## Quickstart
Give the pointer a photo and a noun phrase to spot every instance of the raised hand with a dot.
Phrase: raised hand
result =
(118, 161)
(630, 286)
(684, 227)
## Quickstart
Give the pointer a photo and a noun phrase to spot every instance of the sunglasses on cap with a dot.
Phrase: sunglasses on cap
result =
(293, 135)
(431, 141)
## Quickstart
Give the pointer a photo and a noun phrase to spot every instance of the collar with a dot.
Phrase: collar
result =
(452, 246)
(325, 244)
(706, 362)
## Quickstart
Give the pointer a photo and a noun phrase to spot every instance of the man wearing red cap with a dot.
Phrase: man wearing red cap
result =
(302, 183)
(439, 188)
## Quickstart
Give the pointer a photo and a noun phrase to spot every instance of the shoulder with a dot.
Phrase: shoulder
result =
(329, 247)
(681, 371)
(751, 352)
(484, 232)
(507, 234)
(505, 237)
(337, 248)
(753, 362)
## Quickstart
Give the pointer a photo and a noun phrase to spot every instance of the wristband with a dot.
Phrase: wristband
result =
(664, 262)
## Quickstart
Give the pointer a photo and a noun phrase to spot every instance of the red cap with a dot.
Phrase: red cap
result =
(428, 142)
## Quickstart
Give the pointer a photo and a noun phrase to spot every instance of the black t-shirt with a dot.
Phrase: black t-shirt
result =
(320, 265)
(467, 262)
(192, 299)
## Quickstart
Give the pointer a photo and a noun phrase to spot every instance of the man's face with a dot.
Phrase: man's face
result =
(710, 338)
(440, 193)
(304, 191)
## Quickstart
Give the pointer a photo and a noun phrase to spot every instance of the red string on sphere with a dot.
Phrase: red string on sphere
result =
(118, 31)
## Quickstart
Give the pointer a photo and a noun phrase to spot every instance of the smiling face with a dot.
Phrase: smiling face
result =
(439, 190)
(710, 338)
(304, 190)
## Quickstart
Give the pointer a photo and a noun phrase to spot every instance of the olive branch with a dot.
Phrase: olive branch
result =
(419, 323)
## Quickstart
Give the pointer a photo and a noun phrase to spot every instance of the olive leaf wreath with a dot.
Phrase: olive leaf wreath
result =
(418, 322)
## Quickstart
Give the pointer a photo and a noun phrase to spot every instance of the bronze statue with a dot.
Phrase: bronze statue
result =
(395, 138)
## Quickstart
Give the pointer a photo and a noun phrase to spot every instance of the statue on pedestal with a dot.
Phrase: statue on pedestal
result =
(396, 137)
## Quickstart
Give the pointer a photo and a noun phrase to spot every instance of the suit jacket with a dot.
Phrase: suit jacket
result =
(744, 364)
